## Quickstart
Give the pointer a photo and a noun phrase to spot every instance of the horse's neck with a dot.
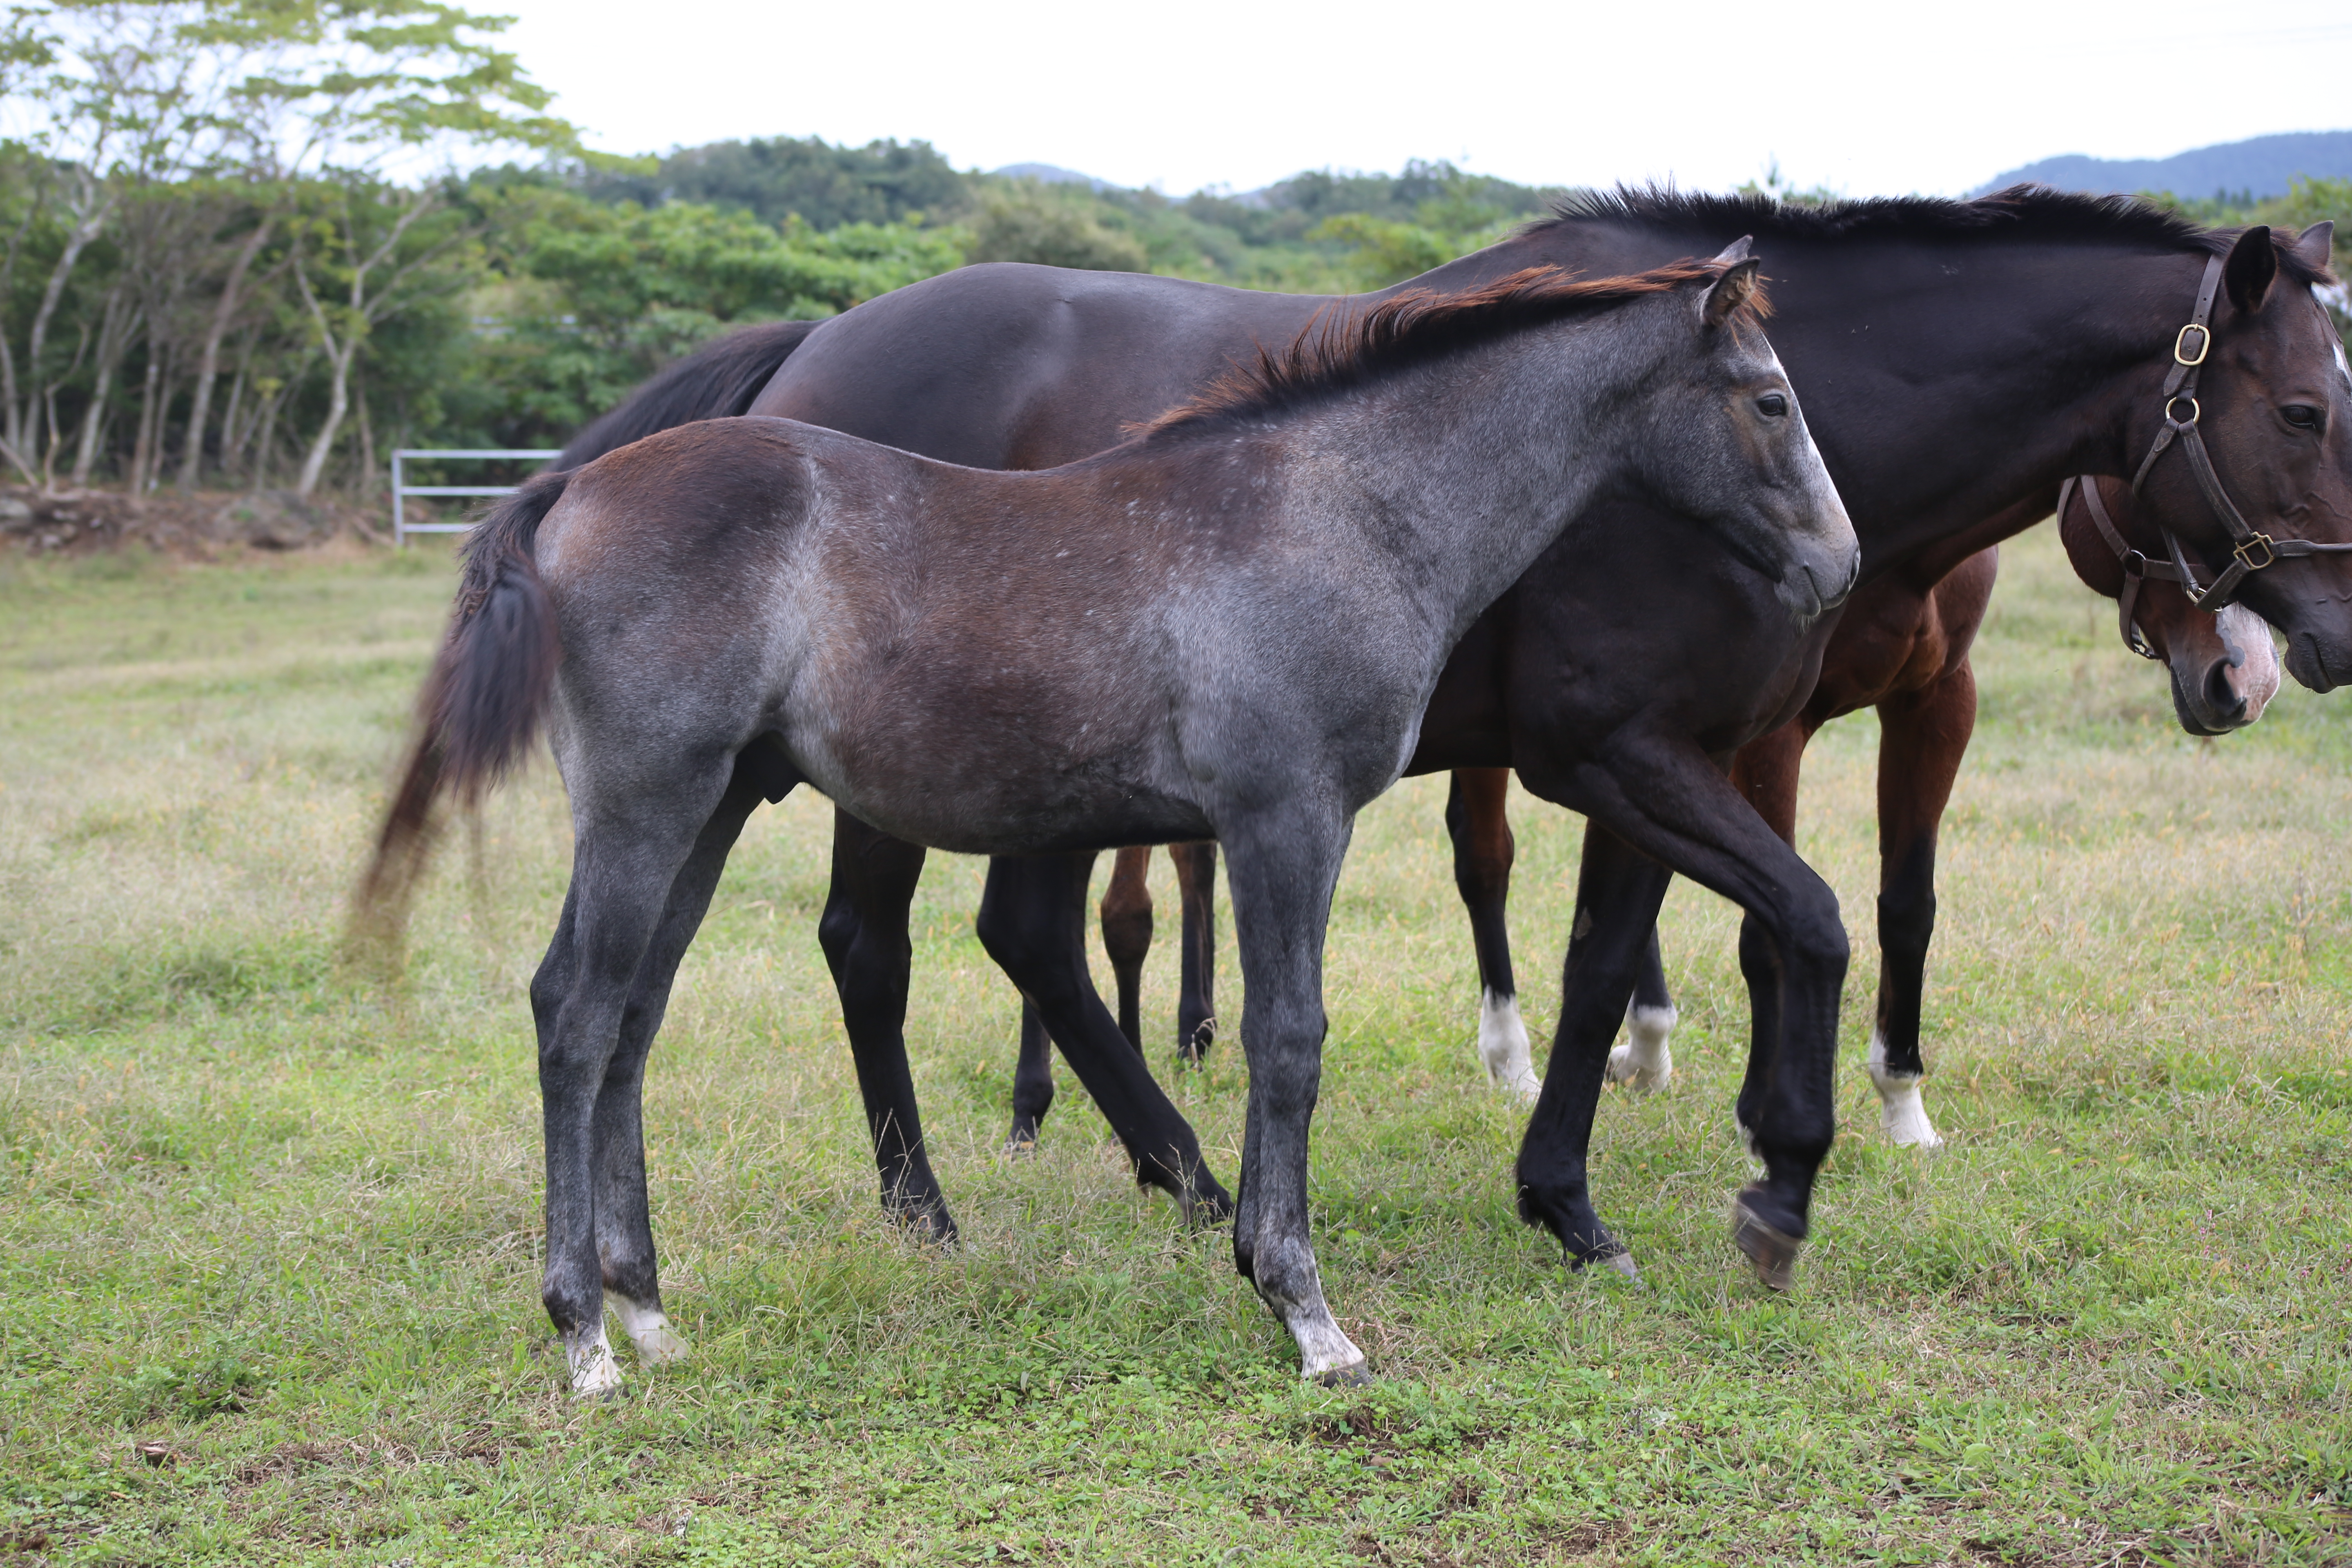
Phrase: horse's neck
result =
(1939, 407)
(1427, 492)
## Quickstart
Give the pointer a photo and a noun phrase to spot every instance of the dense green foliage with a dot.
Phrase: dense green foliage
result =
(210, 274)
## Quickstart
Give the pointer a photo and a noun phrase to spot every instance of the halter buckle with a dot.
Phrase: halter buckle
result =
(2261, 542)
(2180, 355)
(2195, 413)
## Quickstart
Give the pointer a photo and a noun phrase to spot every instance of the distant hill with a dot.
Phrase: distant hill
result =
(2261, 166)
(1051, 174)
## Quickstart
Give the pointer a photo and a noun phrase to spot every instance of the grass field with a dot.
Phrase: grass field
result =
(268, 1241)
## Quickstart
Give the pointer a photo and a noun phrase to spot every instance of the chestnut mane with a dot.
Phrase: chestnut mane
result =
(1345, 346)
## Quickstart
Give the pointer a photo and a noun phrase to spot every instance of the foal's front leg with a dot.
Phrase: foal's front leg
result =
(1282, 866)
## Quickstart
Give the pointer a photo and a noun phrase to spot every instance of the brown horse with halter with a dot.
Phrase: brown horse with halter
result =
(1229, 627)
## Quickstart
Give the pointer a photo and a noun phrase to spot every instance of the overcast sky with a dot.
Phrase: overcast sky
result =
(1869, 98)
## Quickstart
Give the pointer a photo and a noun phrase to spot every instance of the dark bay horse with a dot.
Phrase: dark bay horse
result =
(1228, 628)
(1904, 651)
(1961, 359)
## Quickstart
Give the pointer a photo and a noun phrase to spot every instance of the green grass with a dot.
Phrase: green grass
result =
(268, 1241)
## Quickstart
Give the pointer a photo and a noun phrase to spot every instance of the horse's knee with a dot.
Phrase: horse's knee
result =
(836, 930)
(1025, 947)
(1127, 933)
(1815, 933)
(546, 992)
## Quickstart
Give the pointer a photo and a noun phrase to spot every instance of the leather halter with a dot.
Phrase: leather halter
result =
(2137, 566)
(2253, 551)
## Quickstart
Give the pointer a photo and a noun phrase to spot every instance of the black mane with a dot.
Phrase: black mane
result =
(2042, 210)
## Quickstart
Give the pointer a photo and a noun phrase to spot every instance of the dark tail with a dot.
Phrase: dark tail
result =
(479, 709)
(716, 381)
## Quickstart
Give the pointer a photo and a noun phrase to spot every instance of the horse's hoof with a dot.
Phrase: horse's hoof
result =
(596, 1375)
(1618, 1260)
(929, 1226)
(1356, 1373)
(1773, 1252)
(1629, 1069)
(1201, 1212)
(662, 1348)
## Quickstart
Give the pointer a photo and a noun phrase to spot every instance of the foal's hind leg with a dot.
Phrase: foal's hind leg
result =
(633, 840)
(1127, 935)
(1196, 995)
(1923, 737)
(1483, 851)
(624, 1235)
(865, 937)
(1646, 1060)
(1033, 922)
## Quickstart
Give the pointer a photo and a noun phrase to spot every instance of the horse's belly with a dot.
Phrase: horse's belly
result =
(982, 775)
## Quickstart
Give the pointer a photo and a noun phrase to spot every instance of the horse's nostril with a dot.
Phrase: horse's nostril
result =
(2221, 693)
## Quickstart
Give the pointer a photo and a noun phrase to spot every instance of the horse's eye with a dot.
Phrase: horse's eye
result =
(1771, 406)
(2302, 415)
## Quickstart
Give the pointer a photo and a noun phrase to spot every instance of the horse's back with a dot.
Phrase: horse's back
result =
(711, 488)
(1008, 365)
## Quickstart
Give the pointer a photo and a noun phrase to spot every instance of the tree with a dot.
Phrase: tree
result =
(1030, 222)
(298, 104)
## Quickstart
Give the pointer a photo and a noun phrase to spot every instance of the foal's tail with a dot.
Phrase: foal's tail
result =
(479, 709)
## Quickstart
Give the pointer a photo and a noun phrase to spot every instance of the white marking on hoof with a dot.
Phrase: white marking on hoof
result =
(1900, 1109)
(1622, 1262)
(595, 1373)
(1326, 1355)
(648, 1328)
(1645, 1059)
(1503, 1046)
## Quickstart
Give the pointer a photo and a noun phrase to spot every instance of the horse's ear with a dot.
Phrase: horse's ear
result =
(1736, 251)
(1732, 291)
(2252, 268)
(2316, 245)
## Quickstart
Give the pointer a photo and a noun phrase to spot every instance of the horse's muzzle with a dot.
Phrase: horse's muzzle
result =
(1810, 589)
(2321, 665)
